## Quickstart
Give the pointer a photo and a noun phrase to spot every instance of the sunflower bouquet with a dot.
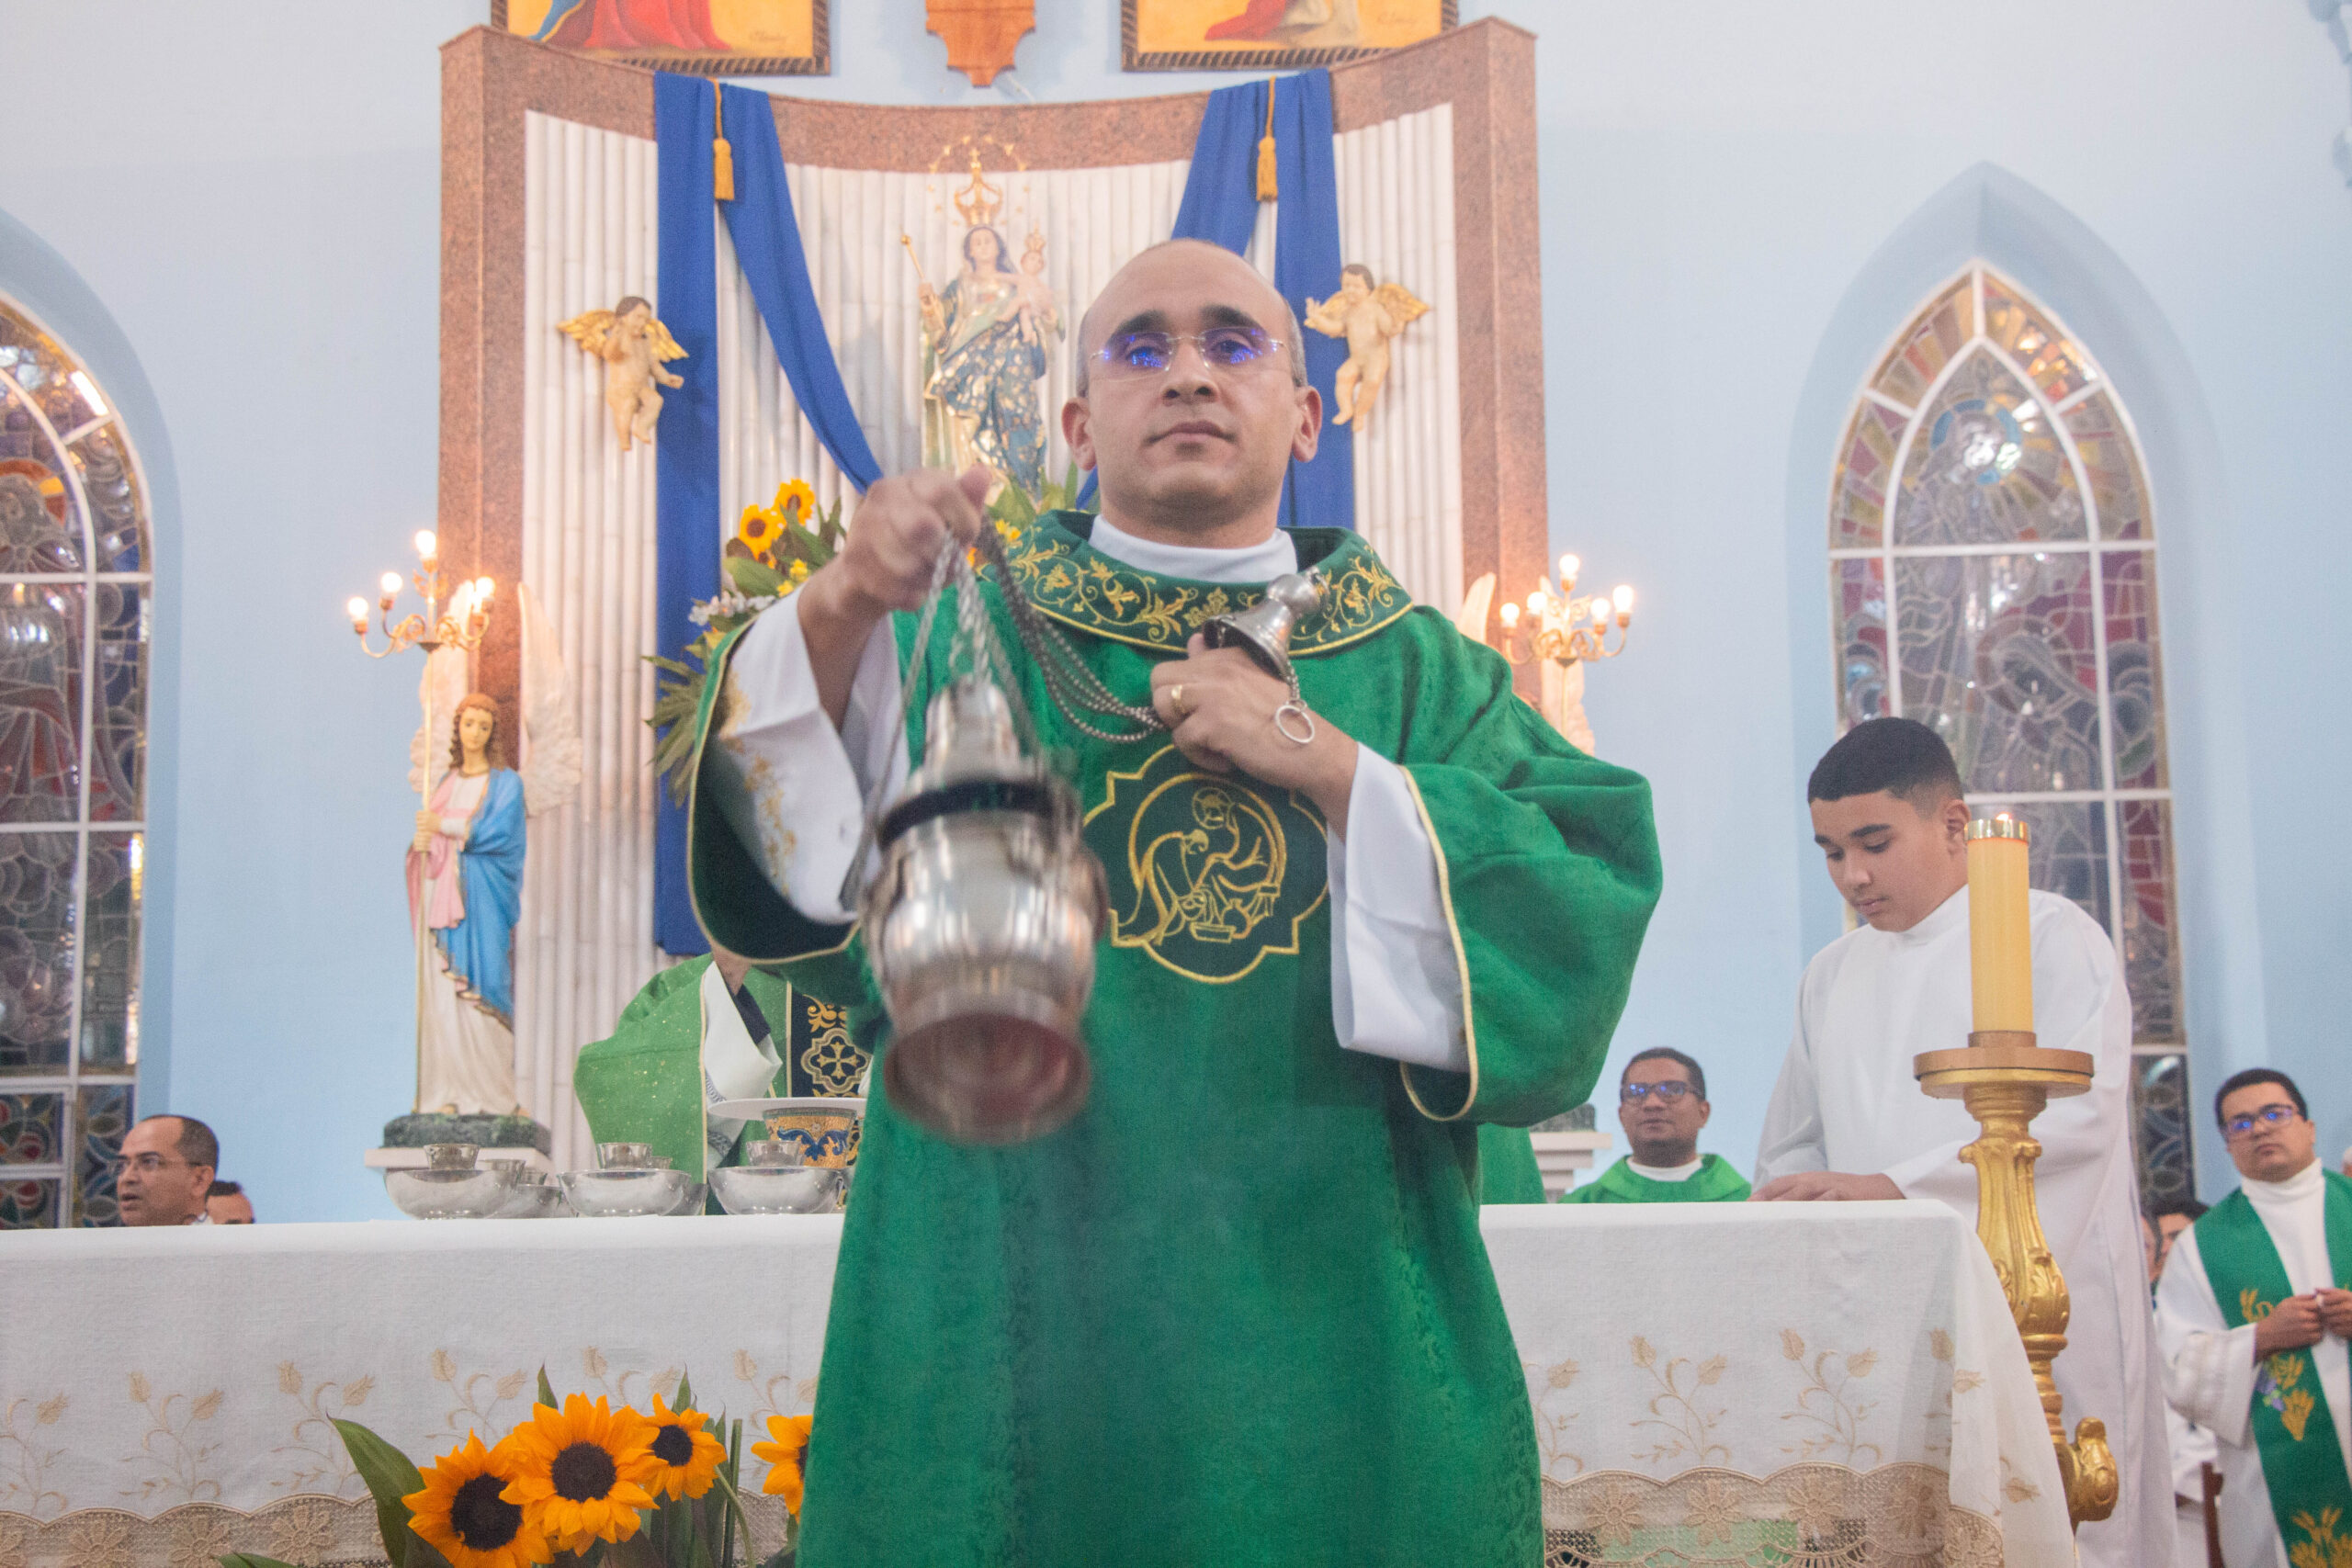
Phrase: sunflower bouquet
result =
(579, 1485)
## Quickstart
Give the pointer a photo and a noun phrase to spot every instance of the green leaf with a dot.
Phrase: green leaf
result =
(754, 579)
(547, 1389)
(829, 525)
(389, 1476)
(685, 1394)
(1013, 505)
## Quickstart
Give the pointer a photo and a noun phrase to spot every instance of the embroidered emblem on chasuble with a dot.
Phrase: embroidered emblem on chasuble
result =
(1208, 873)
(831, 1061)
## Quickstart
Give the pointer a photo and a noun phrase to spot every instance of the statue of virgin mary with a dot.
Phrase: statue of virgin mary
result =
(465, 871)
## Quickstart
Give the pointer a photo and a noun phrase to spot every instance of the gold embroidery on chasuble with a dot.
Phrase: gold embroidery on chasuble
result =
(832, 1060)
(1071, 583)
(1205, 872)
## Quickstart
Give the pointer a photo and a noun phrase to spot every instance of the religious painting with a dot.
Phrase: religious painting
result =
(1257, 35)
(702, 38)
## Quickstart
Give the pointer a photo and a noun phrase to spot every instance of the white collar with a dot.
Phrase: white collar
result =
(2302, 1187)
(1665, 1173)
(1262, 562)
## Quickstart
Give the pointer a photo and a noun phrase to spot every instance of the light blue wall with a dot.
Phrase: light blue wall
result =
(1739, 203)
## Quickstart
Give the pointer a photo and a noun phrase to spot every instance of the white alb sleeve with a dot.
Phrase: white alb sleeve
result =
(1395, 980)
(2209, 1366)
(792, 787)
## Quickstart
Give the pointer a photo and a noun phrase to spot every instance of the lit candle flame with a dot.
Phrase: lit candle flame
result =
(1511, 615)
(357, 610)
(390, 582)
(427, 546)
(1622, 597)
(1570, 565)
(483, 588)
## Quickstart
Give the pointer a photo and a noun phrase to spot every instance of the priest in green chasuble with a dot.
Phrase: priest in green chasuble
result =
(2252, 1316)
(1238, 1310)
(1662, 1105)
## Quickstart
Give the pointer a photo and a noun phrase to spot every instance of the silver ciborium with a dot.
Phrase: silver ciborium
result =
(980, 926)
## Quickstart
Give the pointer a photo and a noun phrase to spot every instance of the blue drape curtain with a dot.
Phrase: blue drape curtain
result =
(1220, 204)
(687, 525)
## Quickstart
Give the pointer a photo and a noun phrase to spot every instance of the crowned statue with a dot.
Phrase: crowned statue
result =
(465, 891)
(985, 340)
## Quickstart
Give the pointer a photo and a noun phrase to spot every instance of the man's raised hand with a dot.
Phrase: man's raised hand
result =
(885, 564)
(1219, 707)
(1826, 1186)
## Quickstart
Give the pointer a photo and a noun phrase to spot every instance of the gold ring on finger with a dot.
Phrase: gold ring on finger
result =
(1176, 699)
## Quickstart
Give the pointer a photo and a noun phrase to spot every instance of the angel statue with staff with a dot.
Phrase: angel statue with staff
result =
(465, 887)
(985, 340)
(634, 346)
(1367, 317)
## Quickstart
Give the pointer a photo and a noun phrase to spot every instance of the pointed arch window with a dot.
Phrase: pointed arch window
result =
(1993, 574)
(75, 587)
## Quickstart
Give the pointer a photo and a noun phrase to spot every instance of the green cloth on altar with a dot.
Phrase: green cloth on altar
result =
(1713, 1182)
(2294, 1432)
(643, 1083)
(1507, 1169)
(1238, 1309)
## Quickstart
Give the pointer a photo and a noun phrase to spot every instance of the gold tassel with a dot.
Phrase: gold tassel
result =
(1266, 191)
(722, 157)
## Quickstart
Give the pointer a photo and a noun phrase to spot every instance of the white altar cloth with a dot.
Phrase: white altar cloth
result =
(1714, 1384)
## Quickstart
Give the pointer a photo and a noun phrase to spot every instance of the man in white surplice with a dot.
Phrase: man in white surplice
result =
(1848, 1121)
(2212, 1370)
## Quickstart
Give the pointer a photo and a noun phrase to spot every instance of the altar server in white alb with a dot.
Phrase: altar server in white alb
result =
(1848, 1121)
(2253, 1315)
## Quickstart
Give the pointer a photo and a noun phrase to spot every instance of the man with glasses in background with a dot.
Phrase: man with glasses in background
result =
(1238, 1309)
(2252, 1315)
(1662, 1104)
(166, 1171)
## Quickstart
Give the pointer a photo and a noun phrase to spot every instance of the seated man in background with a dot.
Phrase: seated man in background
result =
(1662, 1104)
(2192, 1445)
(2252, 1315)
(226, 1204)
(2165, 1221)
(167, 1165)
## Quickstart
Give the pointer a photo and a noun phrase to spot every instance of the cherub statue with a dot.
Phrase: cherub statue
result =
(1367, 318)
(633, 344)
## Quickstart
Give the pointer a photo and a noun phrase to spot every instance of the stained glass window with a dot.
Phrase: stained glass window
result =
(1993, 574)
(74, 591)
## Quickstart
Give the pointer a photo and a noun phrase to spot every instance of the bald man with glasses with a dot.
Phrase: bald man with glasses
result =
(1238, 1309)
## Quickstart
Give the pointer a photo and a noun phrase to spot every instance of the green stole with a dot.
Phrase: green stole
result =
(2293, 1431)
(1713, 1182)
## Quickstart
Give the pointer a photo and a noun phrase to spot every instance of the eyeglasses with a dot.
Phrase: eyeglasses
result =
(1137, 355)
(1634, 1093)
(2269, 1116)
(147, 1164)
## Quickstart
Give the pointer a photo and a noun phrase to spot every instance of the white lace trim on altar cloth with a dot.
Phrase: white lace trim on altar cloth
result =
(1806, 1516)
(308, 1532)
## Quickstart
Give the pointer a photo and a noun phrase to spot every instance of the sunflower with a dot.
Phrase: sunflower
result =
(689, 1456)
(463, 1513)
(582, 1475)
(794, 500)
(759, 529)
(785, 1457)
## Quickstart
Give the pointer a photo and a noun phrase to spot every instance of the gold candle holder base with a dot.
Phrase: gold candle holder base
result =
(2005, 1080)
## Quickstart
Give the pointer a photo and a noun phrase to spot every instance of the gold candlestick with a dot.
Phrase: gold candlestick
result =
(2005, 1079)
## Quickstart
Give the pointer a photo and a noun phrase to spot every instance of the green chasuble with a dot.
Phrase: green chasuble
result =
(1238, 1310)
(1713, 1182)
(2302, 1468)
(1507, 1169)
(643, 1084)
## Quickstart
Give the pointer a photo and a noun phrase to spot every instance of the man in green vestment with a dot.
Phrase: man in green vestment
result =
(1662, 1105)
(2252, 1316)
(1238, 1310)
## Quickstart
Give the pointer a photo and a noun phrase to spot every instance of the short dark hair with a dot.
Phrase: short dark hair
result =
(196, 1143)
(224, 1189)
(2252, 1077)
(1901, 756)
(1359, 270)
(2186, 1208)
(1669, 1054)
